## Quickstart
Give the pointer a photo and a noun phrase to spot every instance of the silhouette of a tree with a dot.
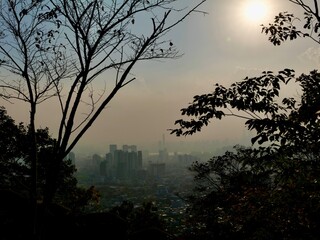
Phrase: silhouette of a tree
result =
(15, 165)
(255, 194)
(269, 192)
(286, 25)
(63, 49)
(257, 99)
(12, 170)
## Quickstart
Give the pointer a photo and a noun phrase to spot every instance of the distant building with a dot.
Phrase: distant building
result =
(112, 148)
(122, 164)
(129, 148)
(157, 169)
(106, 167)
(103, 168)
(139, 160)
(96, 160)
(186, 159)
(163, 155)
(109, 158)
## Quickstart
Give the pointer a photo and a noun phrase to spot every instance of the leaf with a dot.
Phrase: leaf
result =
(254, 139)
(283, 141)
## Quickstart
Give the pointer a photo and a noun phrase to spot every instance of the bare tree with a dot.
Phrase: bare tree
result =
(60, 48)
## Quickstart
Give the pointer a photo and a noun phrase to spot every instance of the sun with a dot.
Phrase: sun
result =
(255, 11)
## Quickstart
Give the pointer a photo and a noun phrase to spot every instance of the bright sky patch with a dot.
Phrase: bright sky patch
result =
(255, 10)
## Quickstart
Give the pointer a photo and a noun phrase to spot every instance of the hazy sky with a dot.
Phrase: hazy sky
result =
(221, 47)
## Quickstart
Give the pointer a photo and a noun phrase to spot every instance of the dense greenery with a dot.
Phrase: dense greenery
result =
(256, 194)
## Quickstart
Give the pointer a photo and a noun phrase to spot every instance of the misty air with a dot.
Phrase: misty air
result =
(159, 119)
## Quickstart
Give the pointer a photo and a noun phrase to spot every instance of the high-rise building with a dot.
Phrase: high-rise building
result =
(157, 169)
(96, 160)
(103, 168)
(139, 163)
(112, 148)
(107, 167)
(123, 164)
(129, 148)
(163, 155)
(133, 148)
(125, 148)
(110, 158)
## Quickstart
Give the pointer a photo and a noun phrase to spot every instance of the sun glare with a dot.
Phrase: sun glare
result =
(255, 10)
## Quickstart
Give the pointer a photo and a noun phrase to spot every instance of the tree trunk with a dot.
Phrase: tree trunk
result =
(34, 170)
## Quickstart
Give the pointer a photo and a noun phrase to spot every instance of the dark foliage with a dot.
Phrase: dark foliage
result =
(255, 194)
(278, 121)
(144, 222)
(269, 192)
(15, 166)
